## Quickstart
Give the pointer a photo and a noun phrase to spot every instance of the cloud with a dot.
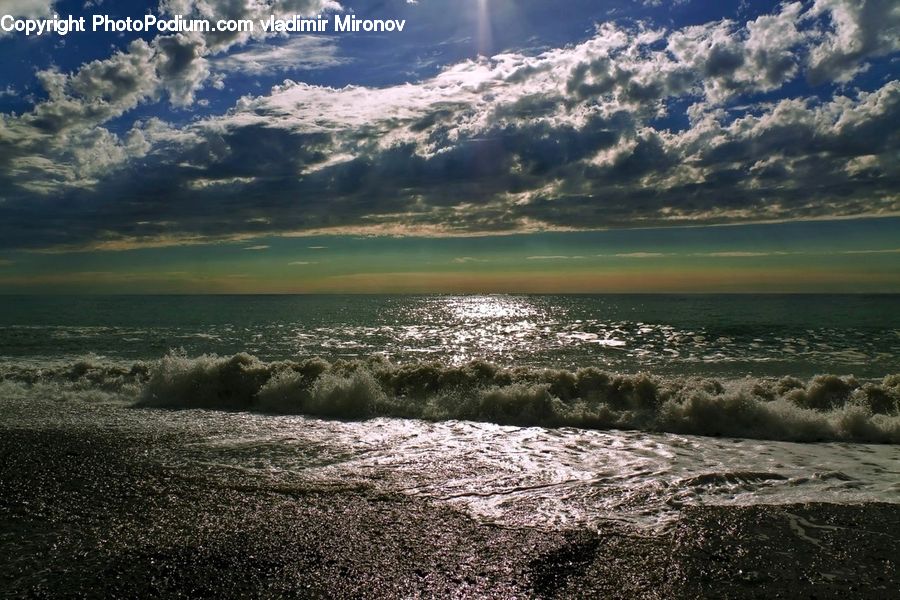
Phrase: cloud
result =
(572, 138)
(658, 3)
(858, 30)
(52, 145)
(240, 10)
(738, 254)
(256, 248)
(26, 9)
(884, 251)
(755, 254)
(181, 66)
(554, 257)
(640, 255)
(299, 53)
(733, 60)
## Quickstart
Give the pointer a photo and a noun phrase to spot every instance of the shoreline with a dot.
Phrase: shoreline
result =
(87, 514)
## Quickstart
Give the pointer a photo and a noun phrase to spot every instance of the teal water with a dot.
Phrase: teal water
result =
(715, 335)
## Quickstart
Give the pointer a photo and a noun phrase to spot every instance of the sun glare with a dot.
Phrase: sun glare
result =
(485, 38)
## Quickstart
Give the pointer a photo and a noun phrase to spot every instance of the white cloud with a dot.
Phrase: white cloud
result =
(554, 257)
(739, 254)
(859, 29)
(640, 255)
(29, 9)
(298, 53)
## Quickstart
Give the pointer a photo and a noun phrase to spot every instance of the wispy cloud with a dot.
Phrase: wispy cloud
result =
(257, 248)
(751, 253)
(298, 53)
(886, 251)
(639, 255)
(554, 257)
(739, 254)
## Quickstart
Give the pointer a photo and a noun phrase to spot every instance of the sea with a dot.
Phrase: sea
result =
(544, 411)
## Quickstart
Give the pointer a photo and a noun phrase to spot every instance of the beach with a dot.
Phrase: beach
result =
(87, 511)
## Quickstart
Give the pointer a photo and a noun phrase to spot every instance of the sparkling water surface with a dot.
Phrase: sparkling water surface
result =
(523, 476)
(726, 335)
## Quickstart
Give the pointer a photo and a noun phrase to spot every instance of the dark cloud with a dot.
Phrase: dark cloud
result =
(571, 138)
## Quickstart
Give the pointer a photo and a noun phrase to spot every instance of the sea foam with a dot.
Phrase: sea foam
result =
(823, 408)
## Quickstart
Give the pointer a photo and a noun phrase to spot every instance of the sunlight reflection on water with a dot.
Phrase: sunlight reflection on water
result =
(465, 328)
(712, 336)
(503, 329)
(531, 476)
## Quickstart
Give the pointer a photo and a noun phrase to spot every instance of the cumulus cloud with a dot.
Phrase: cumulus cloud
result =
(241, 9)
(62, 141)
(857, 30)
(29, 9)
(570, 138)
(174, 64)
(759, 57)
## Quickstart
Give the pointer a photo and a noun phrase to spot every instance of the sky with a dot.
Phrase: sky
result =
(491, 146)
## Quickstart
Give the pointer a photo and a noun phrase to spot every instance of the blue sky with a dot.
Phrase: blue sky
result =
(492, 145)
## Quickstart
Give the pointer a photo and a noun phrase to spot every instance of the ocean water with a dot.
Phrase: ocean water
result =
(718, 335)
(546, 411)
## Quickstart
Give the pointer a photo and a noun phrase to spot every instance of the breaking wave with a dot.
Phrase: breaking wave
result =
(824, 408)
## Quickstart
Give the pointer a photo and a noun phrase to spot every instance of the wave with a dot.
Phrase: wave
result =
(823, 408)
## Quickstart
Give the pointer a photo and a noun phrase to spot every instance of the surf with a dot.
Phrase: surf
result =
(819, 409)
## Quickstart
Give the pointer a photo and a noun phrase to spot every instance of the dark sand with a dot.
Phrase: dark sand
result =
(88, 514)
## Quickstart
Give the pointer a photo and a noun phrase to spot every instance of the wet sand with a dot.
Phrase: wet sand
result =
(89, 514)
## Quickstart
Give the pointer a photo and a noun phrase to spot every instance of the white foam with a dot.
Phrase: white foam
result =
(824, 408)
